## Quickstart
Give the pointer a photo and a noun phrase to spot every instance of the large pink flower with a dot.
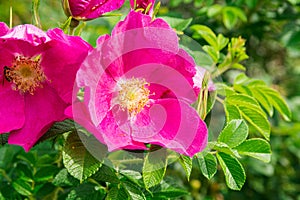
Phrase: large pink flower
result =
(37, 75)
(90, 9)
(138, 88)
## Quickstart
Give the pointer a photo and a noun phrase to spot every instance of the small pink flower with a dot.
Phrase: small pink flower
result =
(138, 88)
(90, 9)
(143, 5)
(37, 75)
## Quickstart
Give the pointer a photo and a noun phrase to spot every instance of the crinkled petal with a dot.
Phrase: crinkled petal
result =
(173, 124)
(116, 131)
(62, 59)
(41, 110)
(90, 9)
(28, 33)
(198, 78)
(12, 116)
(3, 28)
(78, 111)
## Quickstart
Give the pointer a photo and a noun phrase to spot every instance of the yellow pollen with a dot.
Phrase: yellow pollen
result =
(25, 74)
(133, 95)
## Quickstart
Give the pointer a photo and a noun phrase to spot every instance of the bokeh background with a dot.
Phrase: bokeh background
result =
(272, 31)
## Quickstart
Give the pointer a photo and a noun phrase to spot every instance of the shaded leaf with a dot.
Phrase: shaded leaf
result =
(78, 161)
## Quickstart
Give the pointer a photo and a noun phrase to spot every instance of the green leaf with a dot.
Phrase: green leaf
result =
(4, 138)
(63, 178)
(212, 52)
(187, 164)
(242, 100)
(222, 42)
(177, 23)
(256, 148)
(78, 161)
(207, 34)
(168, 189)
(232, 112)
(1, 196)
(86, 191)
(208, 164)
(257, 119)
(154, 167)
(214, 10)
(106, 174)
(263, 100)
(234, 133)
(277, 101)
(229, 18)
(45, 173)
(117, 192)
(22, 187)
(233, 170)
(133, 190)
(251, 112)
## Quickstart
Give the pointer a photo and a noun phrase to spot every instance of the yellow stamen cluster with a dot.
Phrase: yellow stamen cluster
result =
(133, 95)
(25, 74)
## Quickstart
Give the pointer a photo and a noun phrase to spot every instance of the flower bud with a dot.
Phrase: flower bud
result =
(145, 6)
(89, 9)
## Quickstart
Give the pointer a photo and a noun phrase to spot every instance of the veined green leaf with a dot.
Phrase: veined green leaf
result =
(207, 164)
(263, 100)
(233, 170)
(257, 119)
(106, 174)
(232, 112)
(177, 23)
(154, 167)
(134, 191)
(207, 34)
(277, 101)
(234, 133)
(242, 100)
(117, 192)
(78, 161)
(215, 55)
(187, 164)
(256, 148)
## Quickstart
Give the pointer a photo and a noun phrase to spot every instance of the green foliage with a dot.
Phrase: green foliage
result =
(154, 168)
(77, 159)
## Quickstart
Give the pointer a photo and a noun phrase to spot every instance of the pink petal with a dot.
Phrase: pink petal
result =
(28, 33)
(41, 110)
(62, 60)
(90, 9)
(3, 28)
(198, 78)
(12, 115)
(172, 124)
(78, 111)
(116, 131)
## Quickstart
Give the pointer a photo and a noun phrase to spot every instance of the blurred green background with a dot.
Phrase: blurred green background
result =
(272, 31)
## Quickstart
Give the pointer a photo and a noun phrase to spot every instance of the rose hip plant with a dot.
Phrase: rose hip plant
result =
(121, 113)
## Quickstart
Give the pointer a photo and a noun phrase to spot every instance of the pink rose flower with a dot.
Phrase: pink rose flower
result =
(36, 81)
(138, 88)
(143, 5)
(90, 9)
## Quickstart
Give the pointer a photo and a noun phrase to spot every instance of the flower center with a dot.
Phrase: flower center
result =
(133, 95)
(25, 74)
